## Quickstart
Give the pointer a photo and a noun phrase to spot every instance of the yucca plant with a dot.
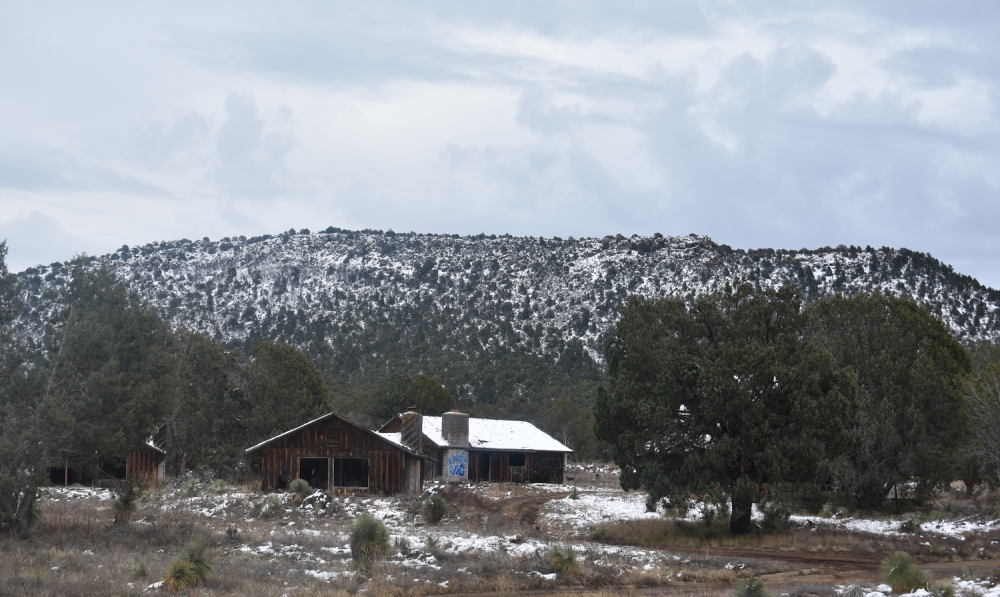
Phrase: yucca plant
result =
(854, 591)
(180, 574)
(369, 542)
(434, 509)
(218, 487)
(401, 544)
(970, 572)
(945, 590)
(190, 489)
(575, 495)
(197, 554)
(301, 489)
(901, 573)
(563, 560)
(911, 522)
(751, 587)
(431, 542)
(140, 568)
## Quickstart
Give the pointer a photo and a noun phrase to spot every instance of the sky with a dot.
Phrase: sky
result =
(761, 124)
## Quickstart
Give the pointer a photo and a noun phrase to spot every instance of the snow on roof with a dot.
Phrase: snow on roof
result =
(493, 434)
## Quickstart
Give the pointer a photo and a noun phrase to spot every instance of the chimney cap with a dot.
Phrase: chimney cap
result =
(411, 409)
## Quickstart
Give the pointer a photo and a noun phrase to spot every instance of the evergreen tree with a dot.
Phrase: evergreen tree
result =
(910, 417)
(717, 399)
(203, 427)
(280, 389)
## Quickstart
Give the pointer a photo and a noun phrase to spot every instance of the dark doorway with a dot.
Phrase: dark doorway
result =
(484, 466)
(316, 472)
(350, 472)
(113, 468)
(63, 476)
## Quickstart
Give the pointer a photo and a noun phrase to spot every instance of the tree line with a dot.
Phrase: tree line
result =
(112, 374)
(746, 396)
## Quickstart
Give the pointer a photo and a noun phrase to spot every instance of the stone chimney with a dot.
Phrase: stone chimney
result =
(412, 429)
(455, 429)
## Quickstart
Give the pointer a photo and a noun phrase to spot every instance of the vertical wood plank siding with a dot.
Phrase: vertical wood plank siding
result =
(144, 463)
(386, 463)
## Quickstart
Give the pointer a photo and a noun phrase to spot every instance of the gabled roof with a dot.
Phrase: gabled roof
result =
(495, 434)
(386, 437)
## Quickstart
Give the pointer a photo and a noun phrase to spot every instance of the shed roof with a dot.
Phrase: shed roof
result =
(382, 436)
(495, 434)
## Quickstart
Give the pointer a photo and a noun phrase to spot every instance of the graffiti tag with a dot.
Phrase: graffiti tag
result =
(457, 464)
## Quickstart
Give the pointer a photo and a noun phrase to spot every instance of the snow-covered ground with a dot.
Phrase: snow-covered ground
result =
(312, 538)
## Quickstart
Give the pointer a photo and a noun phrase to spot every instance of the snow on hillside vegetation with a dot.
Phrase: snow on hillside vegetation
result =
(342, 289)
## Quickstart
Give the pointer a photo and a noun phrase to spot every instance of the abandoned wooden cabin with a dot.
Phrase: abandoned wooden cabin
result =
(146, 462)
(481, 450)
(334, 453)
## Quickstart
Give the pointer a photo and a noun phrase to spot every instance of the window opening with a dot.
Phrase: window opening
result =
(350, 472)
(517, 458)
(316, 472)
(334, 437)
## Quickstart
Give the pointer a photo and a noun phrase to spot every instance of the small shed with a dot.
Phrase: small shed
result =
(146, 462)
(334, 453)
(483, 450)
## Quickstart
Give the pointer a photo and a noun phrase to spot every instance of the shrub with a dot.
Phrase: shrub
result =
(190, 489)
(127, 494)
(268, 508)
(180, 574)
(911, 522)
(575, 495)
(970, 572)
(901, 573)
(854, 591)
(434, 509)
(777, 518)
(301, 489)
(431, 542)
(140, 568)
(751, 587)
(827, 511)
(401, 544)
(196, 553)
(233, 533)
(369, 542)
(711, 512)
(564, 561)
(218, 487)
(945, 590)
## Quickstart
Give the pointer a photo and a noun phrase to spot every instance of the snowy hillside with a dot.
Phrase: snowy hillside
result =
(340, 292)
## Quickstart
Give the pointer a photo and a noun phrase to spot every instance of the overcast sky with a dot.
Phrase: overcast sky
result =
(761, 124)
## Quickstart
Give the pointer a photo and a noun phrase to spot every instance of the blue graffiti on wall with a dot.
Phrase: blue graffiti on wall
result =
(457, 464)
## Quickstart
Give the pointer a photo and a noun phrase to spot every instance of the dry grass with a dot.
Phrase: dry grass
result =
(670, 533)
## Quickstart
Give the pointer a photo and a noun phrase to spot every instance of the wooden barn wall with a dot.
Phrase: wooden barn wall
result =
(144, 463)
(386, 465)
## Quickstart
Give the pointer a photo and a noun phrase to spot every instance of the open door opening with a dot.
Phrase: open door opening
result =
(316, 472)
(350, 472)
(484, 466)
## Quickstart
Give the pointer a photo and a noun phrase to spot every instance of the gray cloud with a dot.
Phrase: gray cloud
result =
(774, 123)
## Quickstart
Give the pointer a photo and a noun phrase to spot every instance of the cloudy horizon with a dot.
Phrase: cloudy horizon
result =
(783, 125)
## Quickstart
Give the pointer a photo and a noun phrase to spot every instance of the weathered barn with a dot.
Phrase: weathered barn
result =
(482, 449)
(145, 462)
(333, 453)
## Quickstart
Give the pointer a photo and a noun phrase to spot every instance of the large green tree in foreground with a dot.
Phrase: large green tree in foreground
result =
(715, 400)
(910, 421)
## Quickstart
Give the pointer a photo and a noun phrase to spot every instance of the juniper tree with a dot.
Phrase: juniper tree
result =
(910, 418)
(716, 399)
